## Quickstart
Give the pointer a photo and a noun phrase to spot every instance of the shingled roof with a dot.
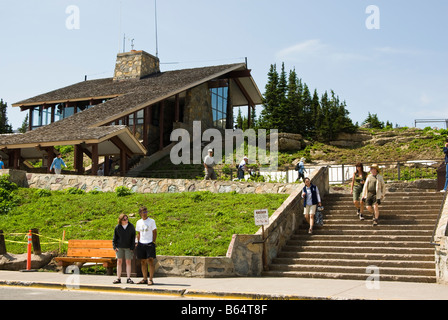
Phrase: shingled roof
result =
(127, 97)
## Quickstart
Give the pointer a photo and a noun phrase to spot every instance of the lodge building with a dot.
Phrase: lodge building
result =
(129, 115)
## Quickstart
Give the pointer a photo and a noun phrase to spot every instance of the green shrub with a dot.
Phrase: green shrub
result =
(74, 190)
(43, 193)
(123, 191)
(8, 198)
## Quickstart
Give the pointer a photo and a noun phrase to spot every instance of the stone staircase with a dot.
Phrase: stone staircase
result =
(345, 247)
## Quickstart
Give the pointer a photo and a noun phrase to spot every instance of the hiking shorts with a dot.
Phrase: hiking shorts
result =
(146, 251)
(124, 253)
(357, 191)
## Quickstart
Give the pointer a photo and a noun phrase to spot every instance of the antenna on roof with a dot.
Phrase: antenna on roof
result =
(157, 41)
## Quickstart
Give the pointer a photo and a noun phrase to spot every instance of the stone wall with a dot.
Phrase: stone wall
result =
(441, 237)
(149, 185)
(198, 107)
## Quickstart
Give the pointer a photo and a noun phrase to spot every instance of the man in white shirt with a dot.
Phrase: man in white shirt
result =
(209, 163)
(242, 167)
(146, 249)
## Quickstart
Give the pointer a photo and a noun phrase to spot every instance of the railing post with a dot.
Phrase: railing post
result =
(343, 177)
(2, 243)
(399, 171)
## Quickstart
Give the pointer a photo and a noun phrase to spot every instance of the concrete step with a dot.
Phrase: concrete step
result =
(358, 249)
(354, 256)
(301, 237)
(422, 264)
(367, 225)
(360, 243)
(303, 230)
(349, 276)
(354, 269)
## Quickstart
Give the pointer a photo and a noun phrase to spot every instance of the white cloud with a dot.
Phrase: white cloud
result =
(302, 49)
(315, 49)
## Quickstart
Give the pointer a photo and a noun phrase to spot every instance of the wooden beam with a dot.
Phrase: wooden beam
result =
(95, 159)
(161, 123)
(238, 74)
(176, 109)
(120, 145)
(79, 155)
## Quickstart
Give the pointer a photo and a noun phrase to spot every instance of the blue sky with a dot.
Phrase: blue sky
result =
(398, 71)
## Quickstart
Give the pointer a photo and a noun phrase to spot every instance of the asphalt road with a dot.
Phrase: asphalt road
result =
(23, 293)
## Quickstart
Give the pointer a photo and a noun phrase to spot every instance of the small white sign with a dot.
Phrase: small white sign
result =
(261, 217)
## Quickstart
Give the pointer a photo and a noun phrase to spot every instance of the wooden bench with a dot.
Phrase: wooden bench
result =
(83, 251)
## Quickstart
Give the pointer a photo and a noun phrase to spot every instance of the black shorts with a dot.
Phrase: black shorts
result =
(371, 200)
(146, 251)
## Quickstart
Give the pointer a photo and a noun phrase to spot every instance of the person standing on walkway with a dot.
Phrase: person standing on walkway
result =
(57, 164)
(358, 180)
(209, 163)
(146, 249)
(311, 196)
(242, 167)
(124, 244)
(2, 165)
(373, 192)
(445, 150)
(300, 168)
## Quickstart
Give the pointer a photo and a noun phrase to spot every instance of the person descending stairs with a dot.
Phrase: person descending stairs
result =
(345, 247)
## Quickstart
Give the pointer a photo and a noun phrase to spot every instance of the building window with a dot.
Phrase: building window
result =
(219, 106)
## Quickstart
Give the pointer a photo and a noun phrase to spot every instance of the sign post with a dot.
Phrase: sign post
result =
(262, 219)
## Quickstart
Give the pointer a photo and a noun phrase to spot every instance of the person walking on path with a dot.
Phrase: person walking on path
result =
(358, 180)
(242, 167)
(373, 192)
(124, 244)
(2, 165)
(209, 163)
(300, 168)
(445, 150)
(311, 196)
(57, 164)
(146, 249)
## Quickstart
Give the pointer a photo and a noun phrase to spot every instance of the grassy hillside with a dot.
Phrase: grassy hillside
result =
(196, 224)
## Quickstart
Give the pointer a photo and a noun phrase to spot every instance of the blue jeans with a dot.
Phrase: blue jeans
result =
(446, 181)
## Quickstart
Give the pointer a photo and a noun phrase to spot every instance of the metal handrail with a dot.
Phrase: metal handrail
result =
(438, 220)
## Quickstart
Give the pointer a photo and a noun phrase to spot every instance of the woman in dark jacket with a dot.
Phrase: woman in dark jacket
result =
(124, 244)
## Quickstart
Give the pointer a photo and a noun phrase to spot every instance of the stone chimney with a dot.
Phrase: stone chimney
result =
(135, 65)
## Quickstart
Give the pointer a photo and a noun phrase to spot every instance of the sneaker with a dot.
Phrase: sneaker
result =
(443, 191)
(117, 281)
(375, 222)
(129, 281)
(361, 217)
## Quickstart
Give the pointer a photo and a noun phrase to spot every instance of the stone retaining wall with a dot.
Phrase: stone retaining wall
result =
(149, 185)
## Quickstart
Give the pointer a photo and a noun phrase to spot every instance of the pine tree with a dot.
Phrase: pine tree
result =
(271, 99)
(24, 127)
(4, 126)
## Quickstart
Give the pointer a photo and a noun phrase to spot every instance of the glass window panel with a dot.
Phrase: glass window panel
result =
(69, 111)
(37, 117)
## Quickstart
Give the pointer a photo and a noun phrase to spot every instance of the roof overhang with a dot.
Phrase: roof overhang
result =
(107, 145)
